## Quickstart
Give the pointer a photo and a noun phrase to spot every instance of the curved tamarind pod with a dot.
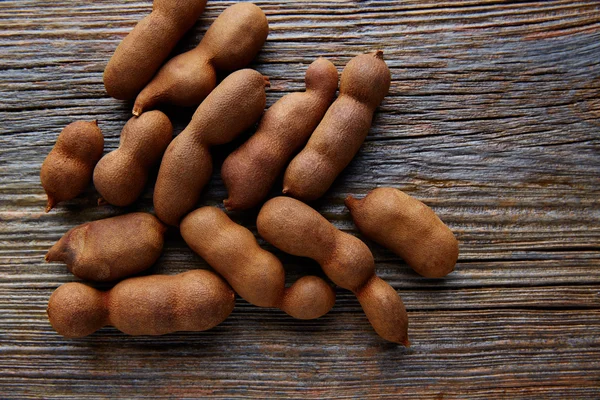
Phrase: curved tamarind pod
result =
(250, 171)
(296, 228)
(68, 168)
(409, 228)
(364, 83)
(254, 273)
(236, 104)
(141, 53)
(120, 176)
(149, 305)
(231, 42)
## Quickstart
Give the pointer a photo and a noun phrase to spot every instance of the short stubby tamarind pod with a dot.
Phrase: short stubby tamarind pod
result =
(111, 248)
(68, 168)
(234, 106)
(250, 171)
(364, 83)
(254, 273)
(296, 228)
(231, 42)
(407, 227)
(120, 176)
(195, 300)
(141, 53)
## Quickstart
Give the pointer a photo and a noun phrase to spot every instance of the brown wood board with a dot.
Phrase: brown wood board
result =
(493, 119)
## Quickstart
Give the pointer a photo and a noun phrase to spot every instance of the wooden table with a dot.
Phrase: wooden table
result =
(493, 119)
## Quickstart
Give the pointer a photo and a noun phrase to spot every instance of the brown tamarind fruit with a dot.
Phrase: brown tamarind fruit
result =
(111, 248)
(68, 168)
(195, 300)
(231, 42)
(250, 171)
(120, 176)
(364, 83)
(407, 227)
(296, 228)
(235, 105)
(254, 273)
(141, 53)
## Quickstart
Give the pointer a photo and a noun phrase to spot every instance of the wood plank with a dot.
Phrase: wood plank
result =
(492, 119)
(496, 352)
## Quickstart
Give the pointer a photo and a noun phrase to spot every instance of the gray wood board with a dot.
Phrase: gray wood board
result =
(493, 119)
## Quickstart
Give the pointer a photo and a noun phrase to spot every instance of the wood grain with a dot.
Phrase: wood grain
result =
(493, 119)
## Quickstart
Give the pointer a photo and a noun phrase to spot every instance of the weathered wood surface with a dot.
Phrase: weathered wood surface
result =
(493, 119)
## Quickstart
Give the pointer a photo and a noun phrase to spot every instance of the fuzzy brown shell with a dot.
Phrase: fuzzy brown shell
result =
(196, 300)
(120, 176)
(254, 273)
(76, 310)
(67, 170)
(296, 228)
(232, 250)
(250, 171)
(232, 41)
(144, 49)
(366, 78)
(111, 248)
(385, 310)
(364, 83)
(409, 228)
(236, 36)
(309, 297)
(235, 105)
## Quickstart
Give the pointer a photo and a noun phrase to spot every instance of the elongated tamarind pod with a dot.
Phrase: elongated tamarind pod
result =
(254, 273)
(150, 305)
(232, 41)
(364, 83)
(235, 105)
(250, 171)
(409, 228)
(296, 228)
(145, 48)
(111, 248)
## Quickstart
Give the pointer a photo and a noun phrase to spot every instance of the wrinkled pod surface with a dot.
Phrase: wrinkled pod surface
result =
(232, 41)
(250, 171)
(150, 305)
(296, 228)
(234, 106)
(67, 170)
(254, 273)
(409, 228)
(111, 248)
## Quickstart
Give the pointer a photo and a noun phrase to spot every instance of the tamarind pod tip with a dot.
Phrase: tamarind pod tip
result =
(350, 201)
(52, 254)
(51, 203)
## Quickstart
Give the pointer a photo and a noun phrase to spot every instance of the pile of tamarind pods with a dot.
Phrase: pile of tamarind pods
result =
(308, 137)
